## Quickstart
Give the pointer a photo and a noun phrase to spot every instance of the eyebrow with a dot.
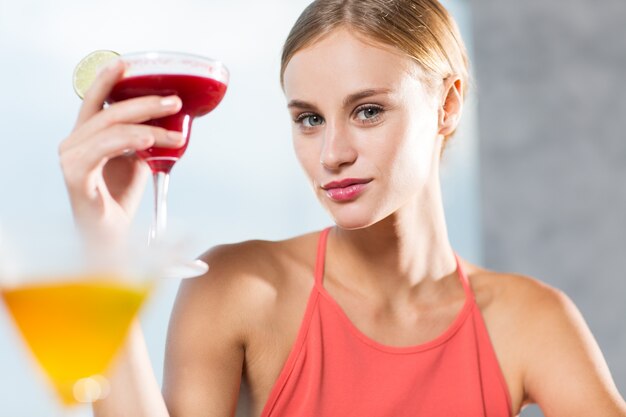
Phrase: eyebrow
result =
(354, 97)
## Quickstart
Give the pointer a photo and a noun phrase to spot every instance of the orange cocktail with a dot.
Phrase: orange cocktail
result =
(74, 326)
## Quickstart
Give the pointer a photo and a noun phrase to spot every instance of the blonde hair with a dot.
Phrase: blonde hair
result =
(422, 29)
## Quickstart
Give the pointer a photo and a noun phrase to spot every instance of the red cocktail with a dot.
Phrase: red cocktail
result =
(199, 95)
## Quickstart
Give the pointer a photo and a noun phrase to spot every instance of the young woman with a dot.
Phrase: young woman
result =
(376, 316)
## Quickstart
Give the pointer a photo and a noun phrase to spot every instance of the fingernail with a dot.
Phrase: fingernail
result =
(174, 137)
(171, 101)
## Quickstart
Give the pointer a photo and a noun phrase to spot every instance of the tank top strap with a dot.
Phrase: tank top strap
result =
(463, 278)
(321, 255)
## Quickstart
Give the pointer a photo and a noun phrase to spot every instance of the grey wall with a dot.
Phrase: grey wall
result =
(551, 81)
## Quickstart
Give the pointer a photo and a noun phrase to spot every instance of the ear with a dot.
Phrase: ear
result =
(451, 106)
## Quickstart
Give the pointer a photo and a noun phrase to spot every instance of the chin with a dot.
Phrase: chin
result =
(351, 216)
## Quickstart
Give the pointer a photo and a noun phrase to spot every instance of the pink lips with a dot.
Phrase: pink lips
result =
(347, 189)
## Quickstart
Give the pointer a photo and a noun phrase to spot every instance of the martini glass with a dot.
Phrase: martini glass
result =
(201, 84)
(73, 308)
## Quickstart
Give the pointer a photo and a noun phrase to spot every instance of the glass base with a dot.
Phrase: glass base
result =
(185, 269)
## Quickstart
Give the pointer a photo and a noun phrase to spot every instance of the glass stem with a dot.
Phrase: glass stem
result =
(159, 222)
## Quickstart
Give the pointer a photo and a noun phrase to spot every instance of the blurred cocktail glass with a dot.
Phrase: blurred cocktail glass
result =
(73, 307)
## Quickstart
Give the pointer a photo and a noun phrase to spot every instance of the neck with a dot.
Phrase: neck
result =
(401, 252)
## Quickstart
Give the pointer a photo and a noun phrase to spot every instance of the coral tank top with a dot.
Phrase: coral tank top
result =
(334, 370)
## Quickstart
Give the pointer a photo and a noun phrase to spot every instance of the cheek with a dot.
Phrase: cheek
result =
(414, 145)
(306, 153)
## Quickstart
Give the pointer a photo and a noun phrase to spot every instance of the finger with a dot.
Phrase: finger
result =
(132, 135)
(88, 155)
(99, 90)
(135, 110)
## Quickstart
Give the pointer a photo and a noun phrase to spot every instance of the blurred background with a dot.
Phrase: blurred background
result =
(531, 182)
(552, 123)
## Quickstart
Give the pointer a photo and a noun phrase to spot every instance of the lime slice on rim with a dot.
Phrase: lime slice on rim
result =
(87, 70)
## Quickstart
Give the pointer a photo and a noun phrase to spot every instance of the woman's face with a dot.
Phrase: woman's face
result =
(365, 128)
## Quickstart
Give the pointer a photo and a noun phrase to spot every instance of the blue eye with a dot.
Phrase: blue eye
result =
(309, 120)
(368, 113)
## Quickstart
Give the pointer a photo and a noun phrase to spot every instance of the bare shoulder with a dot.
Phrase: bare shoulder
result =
(526, 309)
(246, 280)
(257, 264)
(545, 344)
(516, 294)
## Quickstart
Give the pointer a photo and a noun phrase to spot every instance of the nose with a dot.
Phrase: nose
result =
(338, 150)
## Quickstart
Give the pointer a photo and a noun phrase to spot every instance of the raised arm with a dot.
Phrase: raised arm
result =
(134, 389)
(105, 181)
